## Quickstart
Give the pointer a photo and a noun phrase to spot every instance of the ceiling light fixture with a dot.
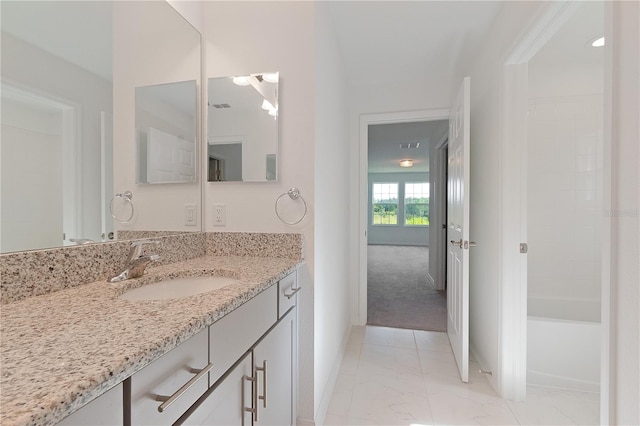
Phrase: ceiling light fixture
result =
(599, 42)
(406, 163)
(241, 80)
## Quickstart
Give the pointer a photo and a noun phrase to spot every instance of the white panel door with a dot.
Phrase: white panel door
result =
(170, 158)
(458, 230)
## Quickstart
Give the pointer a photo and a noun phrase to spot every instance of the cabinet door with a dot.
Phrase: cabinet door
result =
(227, 399)
(273, 361)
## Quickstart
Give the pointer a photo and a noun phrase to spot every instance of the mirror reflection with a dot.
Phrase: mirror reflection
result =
(64, 84)
(242, 141)
(166, 132)
(56, 123)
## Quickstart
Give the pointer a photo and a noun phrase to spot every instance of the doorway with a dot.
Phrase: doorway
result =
(378, 237)
(39, 140)
(554, 86)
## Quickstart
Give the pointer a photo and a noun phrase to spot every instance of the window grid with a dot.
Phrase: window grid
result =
(416, 204)
(385, 204)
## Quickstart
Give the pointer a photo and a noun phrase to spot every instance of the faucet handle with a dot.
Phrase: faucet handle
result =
(136, 247)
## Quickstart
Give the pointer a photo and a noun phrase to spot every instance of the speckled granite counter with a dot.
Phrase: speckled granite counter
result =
(61, 350)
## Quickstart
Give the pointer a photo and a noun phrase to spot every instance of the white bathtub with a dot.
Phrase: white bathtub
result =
(563, 344)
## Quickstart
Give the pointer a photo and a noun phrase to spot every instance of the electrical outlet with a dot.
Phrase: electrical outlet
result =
(190, 215)
(219, 215)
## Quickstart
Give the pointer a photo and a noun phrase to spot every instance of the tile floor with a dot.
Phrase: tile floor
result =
(404, 377)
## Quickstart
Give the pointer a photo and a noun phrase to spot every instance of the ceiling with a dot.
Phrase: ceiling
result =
(54, 26)
(386, 41)
(385, 152)
(403, 41)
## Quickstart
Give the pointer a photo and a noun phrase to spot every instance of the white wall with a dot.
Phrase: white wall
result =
(396, 234)
(247, 37)
(145, 55)
(624, 33)
(485, 71)
(332, 314)
(564, 201)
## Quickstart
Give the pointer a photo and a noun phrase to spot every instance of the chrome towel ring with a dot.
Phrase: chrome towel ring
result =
(294, 194)
(126, 196)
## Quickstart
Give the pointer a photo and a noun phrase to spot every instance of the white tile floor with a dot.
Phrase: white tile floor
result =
(404, 377)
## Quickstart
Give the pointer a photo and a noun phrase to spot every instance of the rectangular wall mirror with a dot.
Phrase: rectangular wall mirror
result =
(242, 131)
(166, 132)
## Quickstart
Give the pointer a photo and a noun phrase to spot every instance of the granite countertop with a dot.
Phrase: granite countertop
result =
(61, 350)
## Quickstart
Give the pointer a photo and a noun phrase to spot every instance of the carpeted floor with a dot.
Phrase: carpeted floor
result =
(398, 294)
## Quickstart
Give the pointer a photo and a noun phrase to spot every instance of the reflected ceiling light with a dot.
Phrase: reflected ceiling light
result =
(599, 42)
(271, 77)
(242, 80)
(266, 105)
(406, 163)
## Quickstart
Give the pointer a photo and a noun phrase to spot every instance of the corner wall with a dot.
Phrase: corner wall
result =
(332, 321)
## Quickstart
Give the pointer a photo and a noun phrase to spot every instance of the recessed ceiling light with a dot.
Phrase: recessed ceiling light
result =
(406, 163)
(599, 42)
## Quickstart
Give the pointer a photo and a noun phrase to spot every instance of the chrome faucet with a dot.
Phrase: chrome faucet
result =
(137, 262)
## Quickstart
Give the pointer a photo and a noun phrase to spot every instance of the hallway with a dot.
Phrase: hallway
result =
(409, 377)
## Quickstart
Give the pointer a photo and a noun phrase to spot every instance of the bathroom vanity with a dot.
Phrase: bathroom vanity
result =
(86, 355)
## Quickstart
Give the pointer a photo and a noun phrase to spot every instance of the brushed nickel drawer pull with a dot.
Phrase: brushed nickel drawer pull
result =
(290, 295)
(168, 400)
(253, 410)
(263, 397)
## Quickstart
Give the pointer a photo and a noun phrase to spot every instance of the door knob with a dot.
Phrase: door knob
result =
(457, 243)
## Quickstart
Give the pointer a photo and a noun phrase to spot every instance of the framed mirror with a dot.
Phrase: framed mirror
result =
(242, 130)
(67, 112)
(166, 132)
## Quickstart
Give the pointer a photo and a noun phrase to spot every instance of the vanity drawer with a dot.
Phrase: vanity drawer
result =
(164, 377)
(287, 293)
(235, 333)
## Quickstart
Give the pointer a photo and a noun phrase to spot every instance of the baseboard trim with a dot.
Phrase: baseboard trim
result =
(333, 378)
(304, 422)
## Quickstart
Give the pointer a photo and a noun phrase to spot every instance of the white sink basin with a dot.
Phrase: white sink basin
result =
(178, 288)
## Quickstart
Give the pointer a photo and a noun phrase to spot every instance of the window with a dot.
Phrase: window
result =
(385, 203)
(416, 204)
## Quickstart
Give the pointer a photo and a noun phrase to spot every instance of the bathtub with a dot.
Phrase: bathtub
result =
(563, 344)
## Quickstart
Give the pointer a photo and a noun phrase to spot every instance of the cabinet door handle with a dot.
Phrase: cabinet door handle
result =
(168, 400)
(264, 382)
(290, 295)
(254, 393)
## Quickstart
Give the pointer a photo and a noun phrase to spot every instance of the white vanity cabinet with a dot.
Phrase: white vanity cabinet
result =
(241, 370)
(260, 388)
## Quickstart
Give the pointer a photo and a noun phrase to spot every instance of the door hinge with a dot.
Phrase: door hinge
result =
(524, 248)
